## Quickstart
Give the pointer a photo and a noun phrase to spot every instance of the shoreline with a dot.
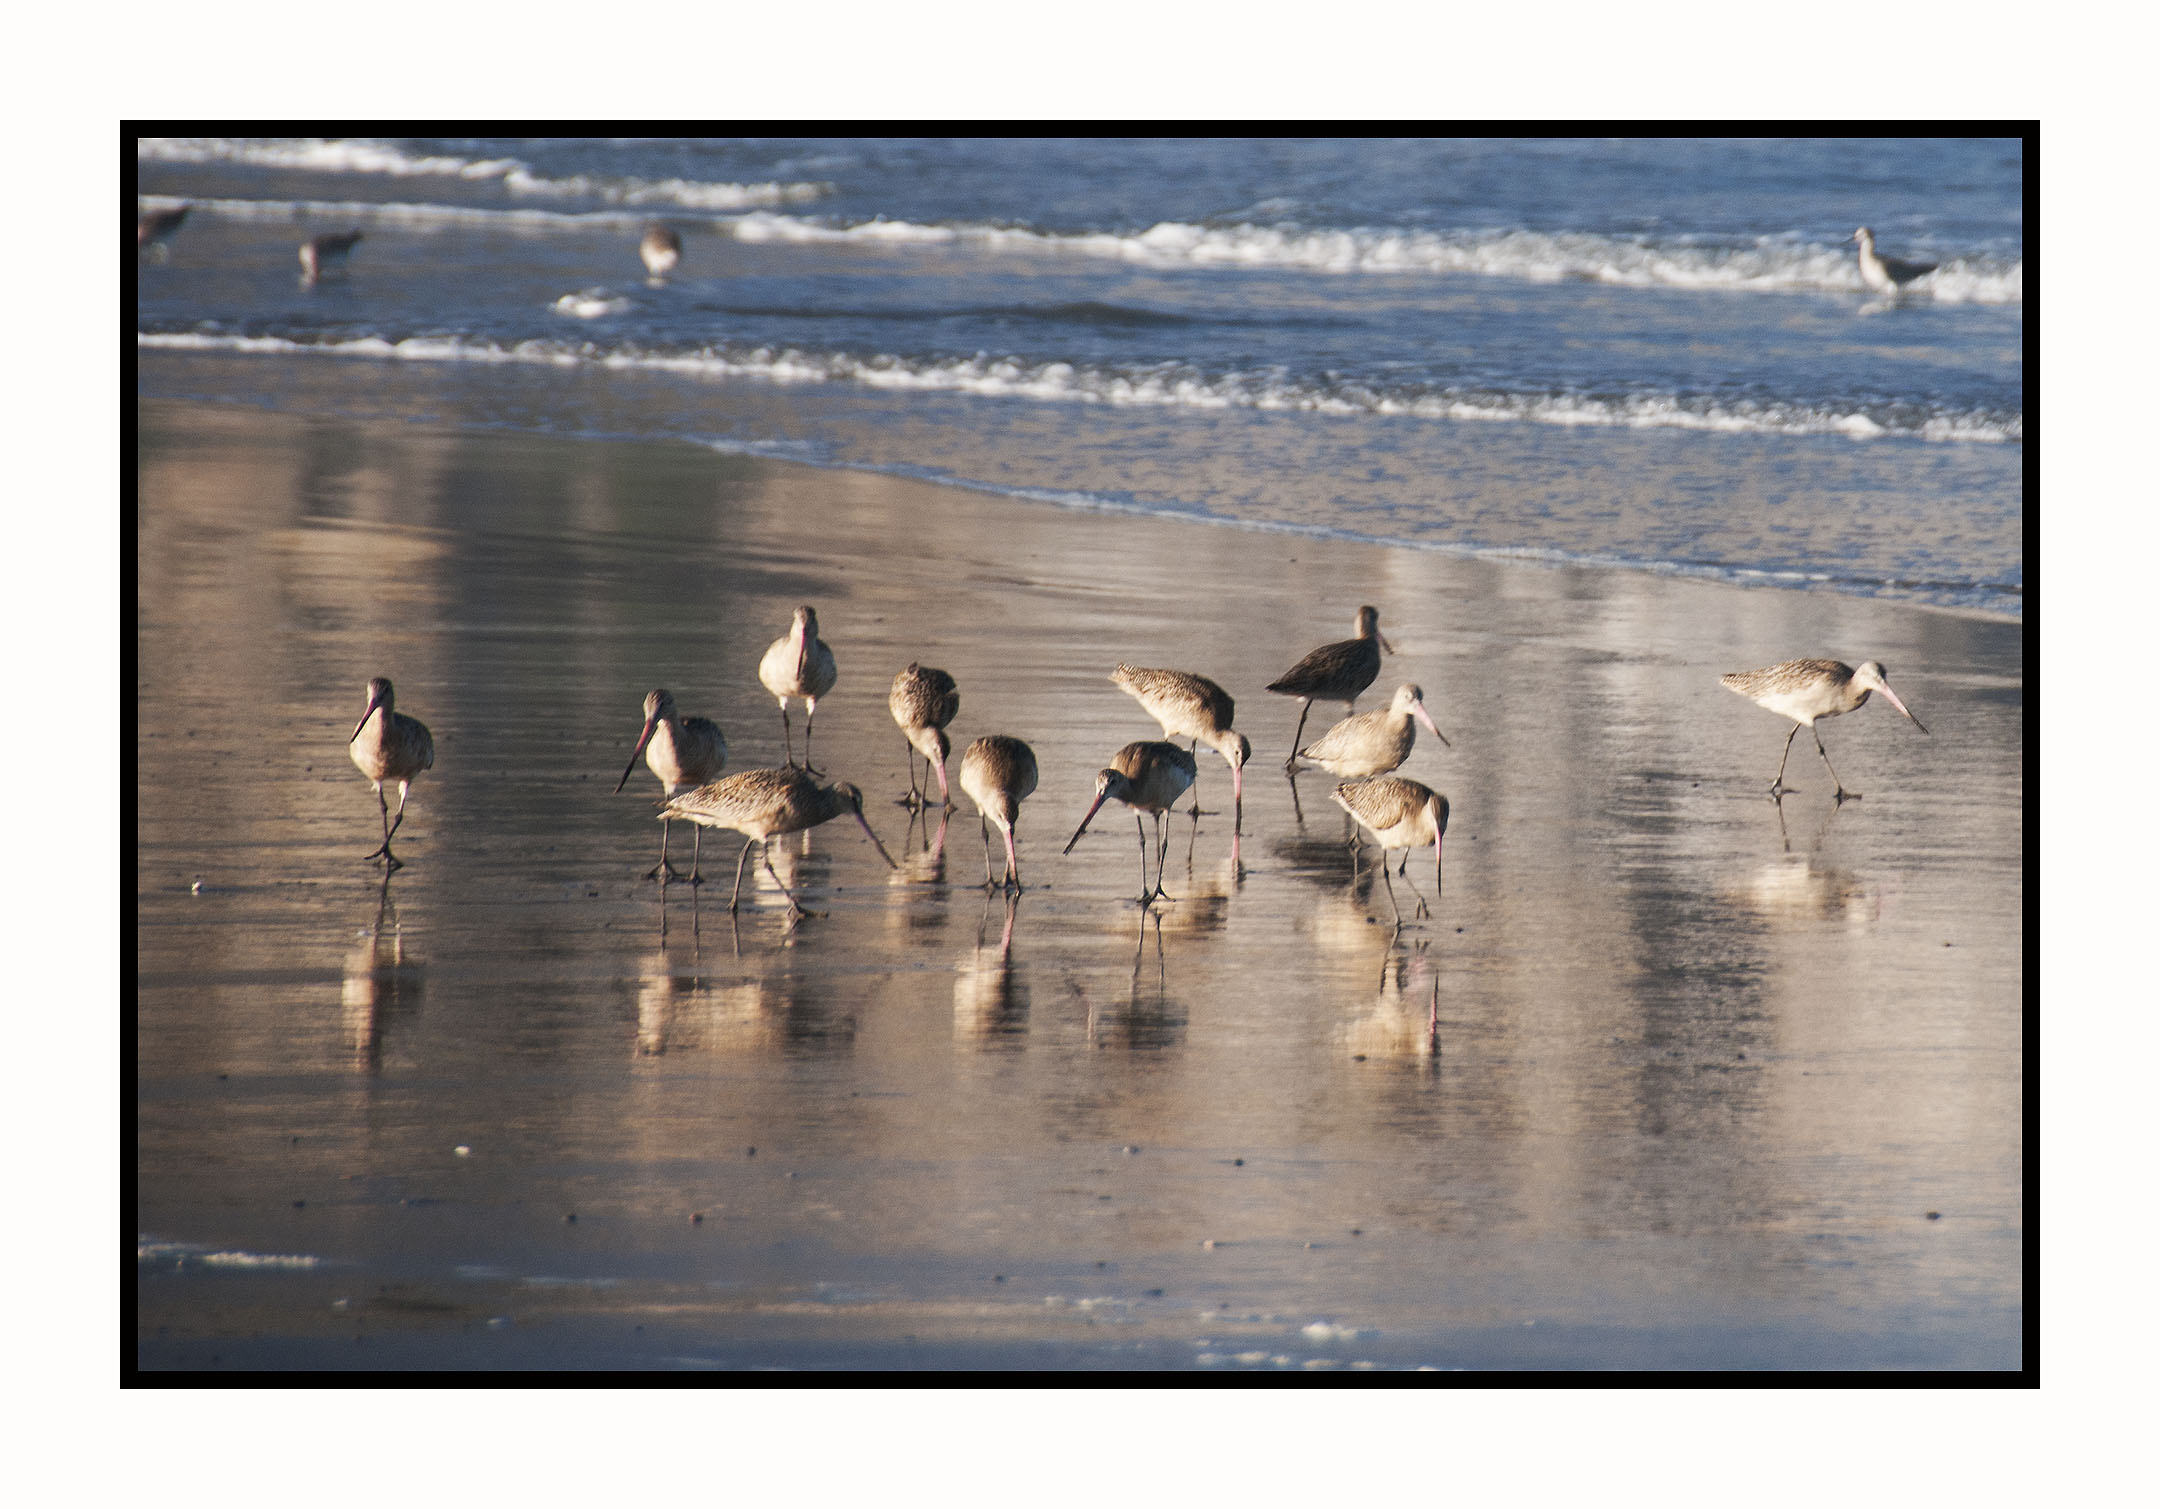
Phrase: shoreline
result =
(1705, 1063)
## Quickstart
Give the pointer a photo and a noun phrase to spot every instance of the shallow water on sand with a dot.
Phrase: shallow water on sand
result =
(1672, 1078)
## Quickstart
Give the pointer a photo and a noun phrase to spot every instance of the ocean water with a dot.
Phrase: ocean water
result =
(1651, 354)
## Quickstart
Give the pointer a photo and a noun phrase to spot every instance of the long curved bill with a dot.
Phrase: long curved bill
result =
(1417, 711)
(1384, 642)
(1893, 696)
(1100, 798)
(375, 702)
(874, 842)
(643, 739)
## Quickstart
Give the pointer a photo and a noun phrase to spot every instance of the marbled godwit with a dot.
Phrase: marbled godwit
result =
(319, 254)
(390, 748)
(760, 804)
(1375, 743)
(1402, 815)
(1804, 690)
(661, 249)
(923, 701)
(999, 773)
(1190, 707)
(154, 228)
(798, 664)
(1335, 672)
(1147, 776)
(682, 752)
(1886, 274)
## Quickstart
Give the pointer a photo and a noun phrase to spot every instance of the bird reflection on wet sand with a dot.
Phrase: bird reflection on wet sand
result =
(1404, 1022)
(382, 982)
(1147, 1018)
(988, 1001)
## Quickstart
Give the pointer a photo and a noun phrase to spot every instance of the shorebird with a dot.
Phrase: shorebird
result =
(798, 664)
(1886, 274)
(760, 804)
(1401, 815)
(682, 752)
(661, 250)
(1375, 743)
(999, 773)
(1190, 707)
(1335, 672)
(1804, 690)
(923, 701)
(319, 254)
(1147, 776)
(392, 747)
(154, 228)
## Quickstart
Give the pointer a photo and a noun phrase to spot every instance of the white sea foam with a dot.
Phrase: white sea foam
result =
(592, 303)
(1170, 385)
(1768, 264)
(190, 1254)
(359, 155)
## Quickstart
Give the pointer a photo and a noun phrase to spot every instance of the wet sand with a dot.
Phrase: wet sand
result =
(1717, 1083)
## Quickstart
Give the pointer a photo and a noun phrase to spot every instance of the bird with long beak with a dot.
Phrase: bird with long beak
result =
(923, 701)
(1335, 673)
(799, 664)
(1805, 690)
(999, 773)
(391, 747)
(1377, 742)
(1147, 776)
(682, 752)
(763, 804)
(1401, 815)
(1191, 707)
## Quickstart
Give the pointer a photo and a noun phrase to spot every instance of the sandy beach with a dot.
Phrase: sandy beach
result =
(1717, 1082)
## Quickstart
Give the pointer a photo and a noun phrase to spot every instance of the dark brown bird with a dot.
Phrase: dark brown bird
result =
(320, 254)
(1335, 673)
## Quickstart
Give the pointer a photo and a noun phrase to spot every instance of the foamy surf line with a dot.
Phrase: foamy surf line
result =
(418, 216)
(1769, 265)
(360, 155)
(1174, 387)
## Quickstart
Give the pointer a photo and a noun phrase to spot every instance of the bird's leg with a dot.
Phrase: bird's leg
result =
(1140, 828)
(697, 853)
(809, 723)
(1391, 891)
(404, 787)
(1422, 909)
(1012, 868)
(795, 907)
(1162, 853)
(916, 798)
(1778, 787)
(664, 871)
(1195, 787)
(1843, 796)
(735, 897)
(391, 861)
(787, 735)
(1297, 740)
(988, 881)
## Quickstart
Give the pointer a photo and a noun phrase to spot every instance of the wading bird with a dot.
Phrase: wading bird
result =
(923, 701)
(761, 805)
(661, 249)
(1191, 707)
(391, 747)
(999, 773)
(798, 664)
(1401, 815)
(1147, 776)
(1374, 743)
(682, 752)
(1886, 274)
(1804, 690)
(1335, 672)
(320, 254)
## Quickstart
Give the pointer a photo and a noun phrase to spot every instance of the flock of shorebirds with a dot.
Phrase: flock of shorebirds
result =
(998, 772)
